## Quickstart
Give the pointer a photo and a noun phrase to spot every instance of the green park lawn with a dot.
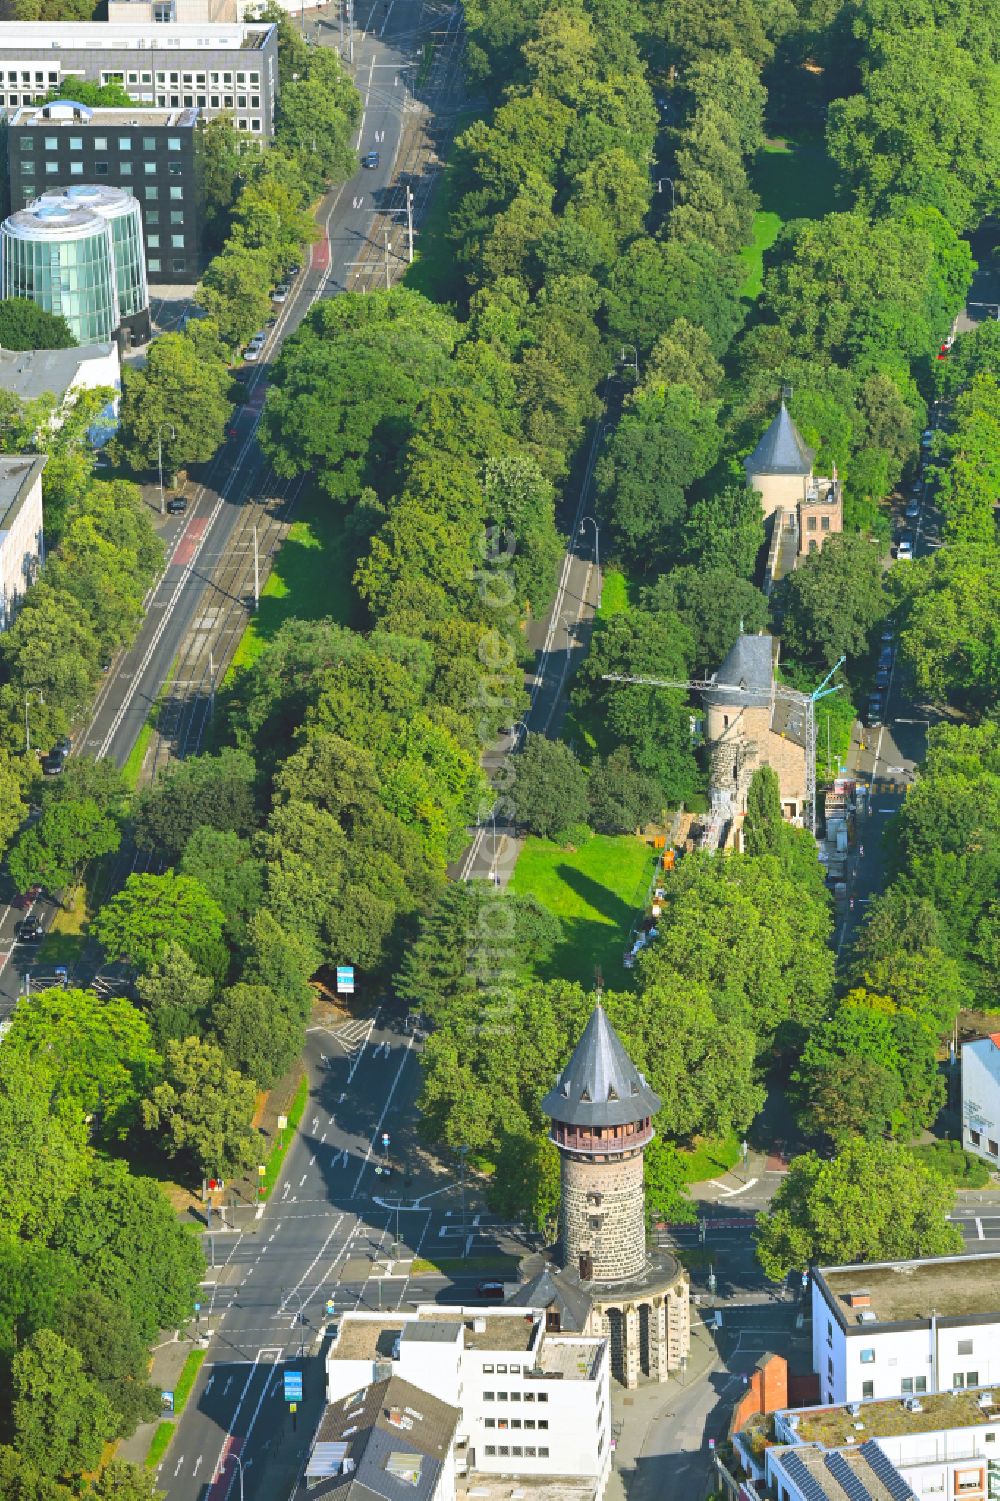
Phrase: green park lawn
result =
(794, 179)
(310, 579)
(597, 891)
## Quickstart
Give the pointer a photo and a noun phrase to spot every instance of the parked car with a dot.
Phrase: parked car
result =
(54, 764)
(912, 510)
(370, 159)
(252, 353)
(882, 677)
(927, 437)
(24, 899)
(885, 657)
(904, 552)
(280, 293)
(875, 709)
(177, 505)
(491, 1290)
(29, 930)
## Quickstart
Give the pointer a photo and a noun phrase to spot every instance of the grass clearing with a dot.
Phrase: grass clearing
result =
(66, 938)
(159, 1444)
(275, 1161)
(616, 594)
(310, 578)
(187, 1378)
(794, 178)
(708, 1157)
(132, 770)
(500, 1266)
(596, 890)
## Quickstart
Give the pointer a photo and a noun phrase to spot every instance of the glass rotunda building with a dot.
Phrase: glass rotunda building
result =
(79, 253)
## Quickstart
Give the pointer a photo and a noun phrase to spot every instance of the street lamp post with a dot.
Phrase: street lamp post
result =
(239, 1462)
(159, 457)
(670, 184)
(27, 726)
(634, 361)
(463, 1153)
(597, 554)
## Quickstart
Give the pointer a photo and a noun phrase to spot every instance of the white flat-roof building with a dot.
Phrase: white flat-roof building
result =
(981, 1098)
(186, 65)
(903, 1329)
(533, 1404)
(22, 545)
(944, 1446)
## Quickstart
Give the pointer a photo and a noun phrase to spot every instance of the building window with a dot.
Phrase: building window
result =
(154, 263)
(149, 143)
(543, 1422)
(27, 144)
(100, 169)
(490, 1422)
(829, 1369)
(491, 1450)
(977, 1137)
(176, 217)
(515, 1422)
(515, 1396)
(487, 1369)
(255, 125)
(825, 523)
(810, 523)
(529, 1422)
(813, 547)
(153, 241)
(149, 168)
(151, 194)
(920, 1383)
(515, 1370)
(51, 167)
(153, 216)
(529, 1451)
(994, 1150)
(968, 1480)
(502, 1424)
(501, 1369)
(487, 1396)
(867, 1387)
(543, 1396)
(177, 194)
(501, 1396)
(958, 1379)
(529, 1396)
(27, 169)
(906, 1386)
(124, 169)
(173, 143)
(867, 1357)
(503, 1450)
(516, 1449)
(52, 143)
(76, 169)
(965, 1347)
(972, 1378)
(543, 1453)
(100, 143)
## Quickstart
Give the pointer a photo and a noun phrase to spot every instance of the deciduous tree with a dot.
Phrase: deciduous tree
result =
(203, 1109)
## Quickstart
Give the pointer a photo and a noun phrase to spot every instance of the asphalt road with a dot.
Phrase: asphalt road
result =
(388, 47)
(329, 1232)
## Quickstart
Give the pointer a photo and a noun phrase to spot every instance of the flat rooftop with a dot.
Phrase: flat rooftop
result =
(111, 36)
(502, 1332)
(888, 1418)
(948, 1286)
(477, 1485)
(33, 372)
(367, 1339)
(572, 1359)
(863, 1474)
(17, 475)
(114, 119)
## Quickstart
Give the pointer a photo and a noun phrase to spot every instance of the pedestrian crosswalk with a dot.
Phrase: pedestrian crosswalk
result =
(889, 786)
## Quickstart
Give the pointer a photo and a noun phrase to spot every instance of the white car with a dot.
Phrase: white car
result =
(904, 552)
(927, 438)
(280, 293)
(252, 353)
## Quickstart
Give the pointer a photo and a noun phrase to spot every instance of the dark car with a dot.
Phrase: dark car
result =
(177, 505)
(29, 930)
(492, 1290)
(882, 678)
(54, 764)
(912, 510)
(24, 899)
(875, 709)
(370, 159)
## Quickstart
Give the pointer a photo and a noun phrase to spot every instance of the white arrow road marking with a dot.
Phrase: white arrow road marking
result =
(197, 1463)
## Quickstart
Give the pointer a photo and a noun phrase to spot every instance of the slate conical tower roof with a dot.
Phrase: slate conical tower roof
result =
(600, 1085)
(782, 449)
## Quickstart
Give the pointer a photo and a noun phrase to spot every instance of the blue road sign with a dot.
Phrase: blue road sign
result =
(293, 1386)
(345, 979)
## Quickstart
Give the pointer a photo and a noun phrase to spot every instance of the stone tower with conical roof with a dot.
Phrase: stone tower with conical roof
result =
(601, 1110)
(780, 467)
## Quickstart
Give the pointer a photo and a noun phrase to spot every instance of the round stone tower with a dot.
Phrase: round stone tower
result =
(601, 1110)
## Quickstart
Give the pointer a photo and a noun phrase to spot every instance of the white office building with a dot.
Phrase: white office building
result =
(22, 548)
(906, 1329)
(981, 1098)
(532, 1404)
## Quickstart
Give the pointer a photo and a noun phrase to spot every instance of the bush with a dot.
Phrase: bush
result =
(952, 1163)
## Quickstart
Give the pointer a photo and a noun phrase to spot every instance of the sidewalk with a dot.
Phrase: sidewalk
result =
(168, 1362)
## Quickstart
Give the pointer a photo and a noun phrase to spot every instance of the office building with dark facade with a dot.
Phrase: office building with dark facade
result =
(148, 152)
(206, 66)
